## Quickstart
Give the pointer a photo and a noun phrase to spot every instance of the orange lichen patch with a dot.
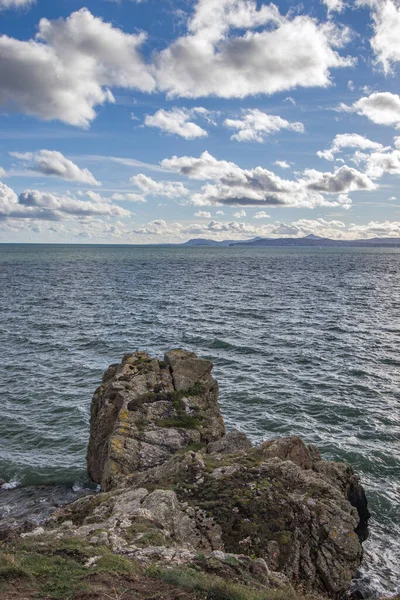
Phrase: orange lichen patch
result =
(117, 446)
(124, 421)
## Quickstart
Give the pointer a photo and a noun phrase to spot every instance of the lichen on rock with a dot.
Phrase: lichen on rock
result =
(146, 410)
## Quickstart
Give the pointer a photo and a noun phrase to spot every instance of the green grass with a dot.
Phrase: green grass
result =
(182, 419)
(211, 587)
(55, 568)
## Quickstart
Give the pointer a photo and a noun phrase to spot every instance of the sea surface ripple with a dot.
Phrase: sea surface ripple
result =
(304, 341)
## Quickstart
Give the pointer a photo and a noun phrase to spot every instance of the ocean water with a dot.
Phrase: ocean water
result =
(304, 341)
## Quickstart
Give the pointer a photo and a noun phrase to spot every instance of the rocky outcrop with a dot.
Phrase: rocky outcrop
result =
(178, 490)
(147, 410)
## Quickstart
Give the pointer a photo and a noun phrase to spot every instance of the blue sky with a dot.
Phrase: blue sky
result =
(152, 122)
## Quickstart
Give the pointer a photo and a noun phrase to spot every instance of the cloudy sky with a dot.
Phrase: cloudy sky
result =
(150, 121)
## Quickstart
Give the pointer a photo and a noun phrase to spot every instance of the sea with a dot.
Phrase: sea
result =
(304, 341)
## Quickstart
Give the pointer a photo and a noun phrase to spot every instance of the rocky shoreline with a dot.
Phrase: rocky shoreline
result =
(190, 511)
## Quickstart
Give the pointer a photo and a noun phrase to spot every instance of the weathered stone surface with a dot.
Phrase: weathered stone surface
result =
(130, 521)
(146, 410)
(279, 501)
(179, 488)
(233, 442)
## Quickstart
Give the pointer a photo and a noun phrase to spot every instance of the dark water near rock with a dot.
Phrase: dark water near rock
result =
(304, 342)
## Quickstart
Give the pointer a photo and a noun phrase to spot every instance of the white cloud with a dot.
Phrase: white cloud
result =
(283, 164)
(15, 3)
(380, 107)
(8, 199)
(348, 140)
(34, 204)
(211, 60)
(379, 163)
(66, 70)
(240, 214)
(66, 205)
(343, 180)
(255, 125)
(334, 5)
(257, 187)
(120, 160)
(170, 189)
(55, 164)
(203, 214)
(128, 197)
(386, 24)
(204, 167)
(261, 215)
(177, 121)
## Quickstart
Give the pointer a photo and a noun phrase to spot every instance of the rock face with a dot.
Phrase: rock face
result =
(146, 410)
(177, 487)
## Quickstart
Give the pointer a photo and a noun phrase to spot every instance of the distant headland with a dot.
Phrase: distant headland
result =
(309, 240)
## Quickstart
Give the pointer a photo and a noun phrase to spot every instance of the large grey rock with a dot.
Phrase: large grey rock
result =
(146, 410)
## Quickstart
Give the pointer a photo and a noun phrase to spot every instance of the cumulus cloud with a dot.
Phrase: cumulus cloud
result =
(128, 197)
(55, 164)
(378, 164)
(334, 5)
(261, 215)
(34, 204)
(343, 180)
(386, 25)
(348, 140)
(259, 186)
(67, 69)
(170, 189)
(204, 167)
(178, 121)
(240, 214)
(51, 205)
(202, 214)
(8, 199)
(255, 125)
(283, 164)
(4, 4)
(213, 59)
(380, 107)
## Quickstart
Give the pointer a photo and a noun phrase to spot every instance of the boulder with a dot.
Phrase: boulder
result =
(146, 410)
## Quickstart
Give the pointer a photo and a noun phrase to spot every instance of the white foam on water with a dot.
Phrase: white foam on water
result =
(11, 485)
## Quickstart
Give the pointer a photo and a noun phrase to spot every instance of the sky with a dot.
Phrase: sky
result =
(158, 121)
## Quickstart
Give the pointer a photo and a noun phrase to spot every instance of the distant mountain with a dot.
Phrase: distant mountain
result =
(309, 240)
(206, 242)
(313, 240)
